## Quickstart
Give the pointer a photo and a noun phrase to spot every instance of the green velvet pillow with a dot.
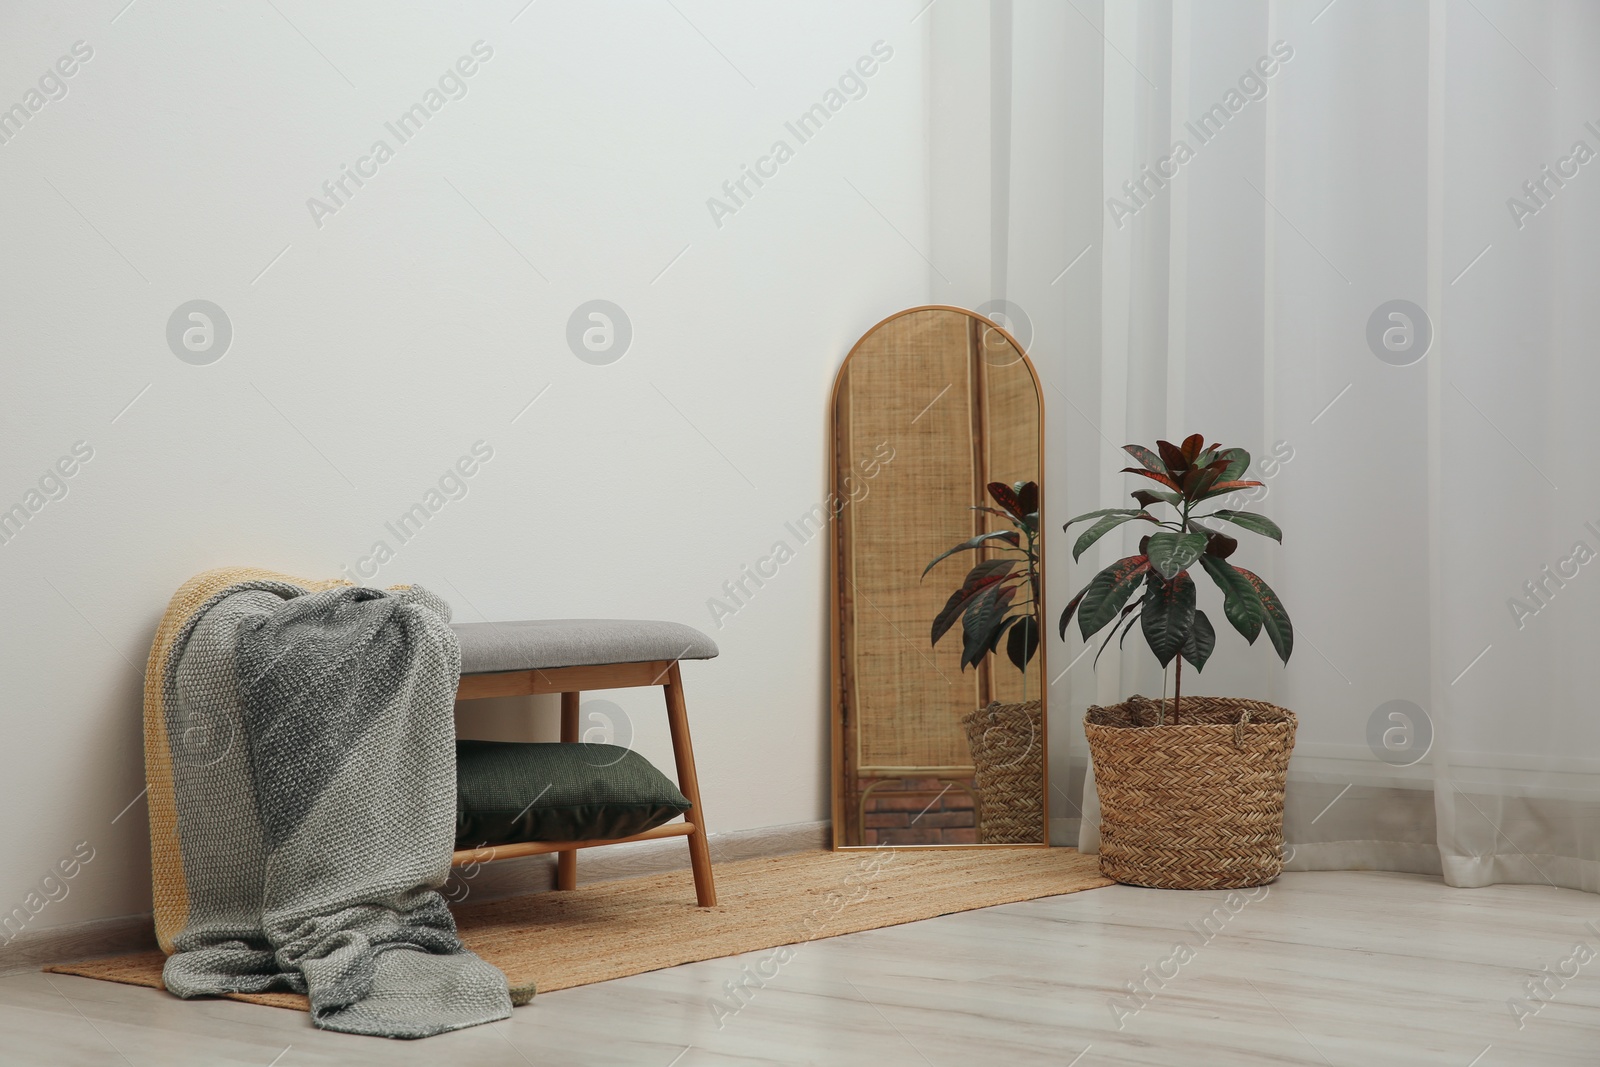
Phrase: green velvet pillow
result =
(512, 791)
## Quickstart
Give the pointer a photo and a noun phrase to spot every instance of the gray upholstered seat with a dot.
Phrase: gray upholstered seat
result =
(549, 643)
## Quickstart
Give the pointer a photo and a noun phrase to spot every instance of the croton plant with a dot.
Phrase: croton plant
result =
(1187, 475)
(987, 601)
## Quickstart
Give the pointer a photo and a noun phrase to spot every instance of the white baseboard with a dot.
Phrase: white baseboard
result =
(492, 881)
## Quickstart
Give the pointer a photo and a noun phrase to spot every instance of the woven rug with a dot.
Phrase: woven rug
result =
(613, 929)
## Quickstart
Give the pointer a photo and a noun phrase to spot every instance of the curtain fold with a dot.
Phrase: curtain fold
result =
(1358, 240)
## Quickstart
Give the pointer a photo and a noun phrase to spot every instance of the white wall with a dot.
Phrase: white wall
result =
(414, 322)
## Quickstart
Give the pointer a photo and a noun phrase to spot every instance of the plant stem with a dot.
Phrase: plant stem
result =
(1177, 674)
(1177, 688)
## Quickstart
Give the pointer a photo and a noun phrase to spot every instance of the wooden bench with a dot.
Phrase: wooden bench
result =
(574, 656)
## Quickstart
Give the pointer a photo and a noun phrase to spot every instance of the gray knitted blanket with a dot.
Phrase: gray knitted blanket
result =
(310, 742)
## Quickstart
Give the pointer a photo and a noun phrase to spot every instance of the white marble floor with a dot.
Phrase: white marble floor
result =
(1329, 969)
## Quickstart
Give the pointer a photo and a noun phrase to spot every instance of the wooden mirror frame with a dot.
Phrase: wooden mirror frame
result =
(836, 622)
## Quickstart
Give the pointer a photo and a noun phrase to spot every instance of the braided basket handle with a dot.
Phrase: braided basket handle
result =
(1238, 729)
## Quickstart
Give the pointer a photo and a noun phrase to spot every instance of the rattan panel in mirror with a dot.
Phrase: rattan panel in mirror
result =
(930, 406)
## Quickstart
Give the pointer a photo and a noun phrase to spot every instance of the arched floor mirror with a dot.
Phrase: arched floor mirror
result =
(933, 408)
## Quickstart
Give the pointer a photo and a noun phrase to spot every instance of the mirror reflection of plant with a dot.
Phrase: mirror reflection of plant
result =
(1172, 625)
(987, 601)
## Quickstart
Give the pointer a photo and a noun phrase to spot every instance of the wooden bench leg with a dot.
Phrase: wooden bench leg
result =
(705, 890)
(567, 861)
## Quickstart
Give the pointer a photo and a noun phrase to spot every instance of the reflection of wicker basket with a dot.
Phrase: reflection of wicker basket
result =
(1198, 805)
(1009, 761)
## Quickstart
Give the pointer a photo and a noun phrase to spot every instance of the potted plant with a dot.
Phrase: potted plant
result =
(999, 599)
(1191, 792)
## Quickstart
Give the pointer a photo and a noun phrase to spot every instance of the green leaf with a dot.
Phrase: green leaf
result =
(1201, 640)
(995, 633)
(1122, 642)
(1023, 642)
(1170, 553)
(1103, 527)
(1250, 521)
(1132, 607)
(1238, 462)
(1097, 514)
(1011, 537)
(999, 631)
(982, 619)
(1108, 591)
(1224, 488)
(1241, 604)
(1274, 619)
(982, 611)
(1168, 616)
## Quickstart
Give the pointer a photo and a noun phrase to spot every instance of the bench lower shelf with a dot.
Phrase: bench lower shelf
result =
(466, 856)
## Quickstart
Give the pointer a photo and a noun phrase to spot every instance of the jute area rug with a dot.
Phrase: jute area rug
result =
(551, 941)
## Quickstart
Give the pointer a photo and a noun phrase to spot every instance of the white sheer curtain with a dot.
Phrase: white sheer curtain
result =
(1441, 510)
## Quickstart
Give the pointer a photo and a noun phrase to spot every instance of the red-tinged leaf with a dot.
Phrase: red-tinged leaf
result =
(1273, 618)
(1108, 591)
(990, 568)
(1149, 459)
(1164, 479)
(1027, 497)
(1173, 457)
(1192, 446)
(1218, 544)
(1145, 497)
(1197, 481)
(1207, 478)
(1006, 497)
(1072, 606)
(979, 580)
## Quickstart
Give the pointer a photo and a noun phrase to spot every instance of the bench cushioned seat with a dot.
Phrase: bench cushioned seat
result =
(550, 643)
(509, 791)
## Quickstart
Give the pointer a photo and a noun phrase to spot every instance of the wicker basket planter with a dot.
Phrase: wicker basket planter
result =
(1193, 806)
(1008, 758)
